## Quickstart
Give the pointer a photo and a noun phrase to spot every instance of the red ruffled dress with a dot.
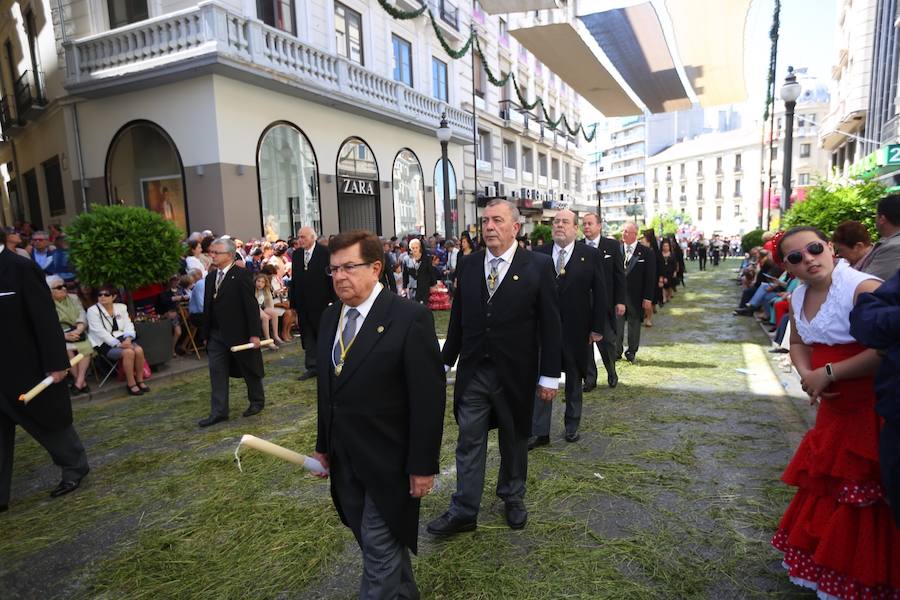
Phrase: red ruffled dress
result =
(837, 534)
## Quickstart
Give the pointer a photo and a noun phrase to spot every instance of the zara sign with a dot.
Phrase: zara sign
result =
(358, 187)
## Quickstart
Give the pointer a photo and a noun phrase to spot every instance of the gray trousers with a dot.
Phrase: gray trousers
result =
(64, 447)
(543, 411)
(387, 570)
(484, 394)
(607, 348)
(635, 318)
(219, 356)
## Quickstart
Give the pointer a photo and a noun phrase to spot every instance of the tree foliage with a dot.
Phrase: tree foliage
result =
(669, 222)
(752, 239)
(127, 246)
(827, 205)
(542, 232)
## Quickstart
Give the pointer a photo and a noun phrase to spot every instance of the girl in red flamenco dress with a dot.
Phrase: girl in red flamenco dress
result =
(837, 534)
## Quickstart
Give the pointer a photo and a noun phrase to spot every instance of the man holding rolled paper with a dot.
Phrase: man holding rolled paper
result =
(231, 318)
(34, 349)
(381, 398)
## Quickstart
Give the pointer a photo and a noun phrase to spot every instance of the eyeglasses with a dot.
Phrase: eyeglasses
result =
(814, 249)
(102, 294)
(58, 287)
(349, 268)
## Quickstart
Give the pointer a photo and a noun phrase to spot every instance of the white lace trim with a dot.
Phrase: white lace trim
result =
(810, 585)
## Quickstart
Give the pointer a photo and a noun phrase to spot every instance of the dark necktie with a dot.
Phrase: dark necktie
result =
(347, 336)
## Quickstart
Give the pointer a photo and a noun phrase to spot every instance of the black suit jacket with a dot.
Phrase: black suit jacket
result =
(612, 261)
(235, 313)
(33, 343)
(518, 329)
(641, 275)
(424, 276)
(310, 288)
(383, 416)
(582, 301)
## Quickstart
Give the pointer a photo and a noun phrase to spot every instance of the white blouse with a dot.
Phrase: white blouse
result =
(100, 325)
(831, 325)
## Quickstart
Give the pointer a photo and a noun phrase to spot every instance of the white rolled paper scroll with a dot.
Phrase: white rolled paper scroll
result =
(249, 345)
(251, 441)
(46, 382)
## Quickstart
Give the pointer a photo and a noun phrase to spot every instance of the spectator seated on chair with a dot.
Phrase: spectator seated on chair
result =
(852, 242)
(59, 261)
(167, 307)
(74, 325)
(111, 333)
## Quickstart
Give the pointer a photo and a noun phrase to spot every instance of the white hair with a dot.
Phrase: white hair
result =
(229, 244)
(53, 281)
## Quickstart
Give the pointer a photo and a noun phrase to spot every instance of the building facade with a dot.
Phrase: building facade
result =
(621, 180)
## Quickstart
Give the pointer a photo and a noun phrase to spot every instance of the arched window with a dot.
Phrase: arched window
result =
(409, 195)
(143, 168)
(358, 195)
(439, 199)
(288, 182)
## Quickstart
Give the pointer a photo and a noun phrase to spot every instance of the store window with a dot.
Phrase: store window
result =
(123, 12)
(288, 182)
(439, 198)
(143, 168)
(402, 60)
(439, 79)
(358, 194)
(278, 14)
(348, 32)
(409, 195)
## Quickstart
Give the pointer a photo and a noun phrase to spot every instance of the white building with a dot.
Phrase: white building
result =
(621, 180)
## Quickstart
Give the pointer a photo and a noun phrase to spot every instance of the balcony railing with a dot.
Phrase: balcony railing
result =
(7, 121)
(184, 39)
(29, 93)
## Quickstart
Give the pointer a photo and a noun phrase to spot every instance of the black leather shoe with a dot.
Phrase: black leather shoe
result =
(253, 409)
(538, 440)
(65, 487)
(589, 387)
(612, 380)
(211, 420)
(516, 514)
(4, 507)
(573, 437)
(619, 357)
(448, 525)
(629, 357)
(307, 375)
(779, 350)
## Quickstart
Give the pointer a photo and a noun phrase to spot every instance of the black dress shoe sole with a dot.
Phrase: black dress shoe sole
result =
(613, 382)
(458, 528)
(250, 411)
(516, 524)
(572, 438)
(211, 422)
(65, 487)
(307, 375)
(588, 388)
(540, 441)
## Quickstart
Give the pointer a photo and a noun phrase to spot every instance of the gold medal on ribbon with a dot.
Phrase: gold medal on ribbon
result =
(338, 368)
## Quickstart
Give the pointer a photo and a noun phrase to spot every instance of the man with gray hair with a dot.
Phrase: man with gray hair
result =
(230, 318)
(310, 292)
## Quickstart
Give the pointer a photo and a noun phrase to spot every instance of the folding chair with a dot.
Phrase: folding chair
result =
(189, 329)
(101, 364)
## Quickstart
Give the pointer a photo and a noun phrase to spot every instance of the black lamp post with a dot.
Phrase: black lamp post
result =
(443, 133)
(790, 91)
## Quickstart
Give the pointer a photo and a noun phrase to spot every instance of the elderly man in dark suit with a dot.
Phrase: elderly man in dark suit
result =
(583, 311)
(505, 330)
(640, 277)
(612, 263)
(230, 318)
(381, 406)
(34, 348)
(310, 292)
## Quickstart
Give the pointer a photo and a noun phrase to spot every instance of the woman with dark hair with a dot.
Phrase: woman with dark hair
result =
(852, 241)
(192, 258)
(836, 535)
(111, 333)
(648, 239)
(668, 269)
(466, 245)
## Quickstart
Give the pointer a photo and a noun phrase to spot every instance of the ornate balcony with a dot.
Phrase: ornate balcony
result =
(210, 38)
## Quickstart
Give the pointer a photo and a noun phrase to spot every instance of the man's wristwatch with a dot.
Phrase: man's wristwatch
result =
(829, 372)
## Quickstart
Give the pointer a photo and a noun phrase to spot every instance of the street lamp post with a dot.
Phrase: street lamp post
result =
(790, 91)
(443, 134)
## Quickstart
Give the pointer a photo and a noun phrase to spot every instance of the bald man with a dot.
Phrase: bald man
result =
(310, 292)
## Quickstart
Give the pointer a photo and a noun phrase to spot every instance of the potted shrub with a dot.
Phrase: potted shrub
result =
(129, 247)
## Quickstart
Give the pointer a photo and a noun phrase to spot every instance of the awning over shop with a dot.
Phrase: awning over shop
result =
(496, 7)
(573, 55)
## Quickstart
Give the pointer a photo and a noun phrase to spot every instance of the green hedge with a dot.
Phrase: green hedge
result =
(752, 239)
(827, 205)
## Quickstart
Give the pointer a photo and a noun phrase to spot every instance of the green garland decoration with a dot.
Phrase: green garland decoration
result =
(402, 15)
(496, 81)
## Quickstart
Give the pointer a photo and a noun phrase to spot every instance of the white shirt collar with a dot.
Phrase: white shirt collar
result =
(366, 305)
(225, 270)
(568, 249)
(506, 256)
(595, 241)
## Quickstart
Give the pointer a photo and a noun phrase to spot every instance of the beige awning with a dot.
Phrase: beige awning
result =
(496, 7)
(709, 35)
(561, 47)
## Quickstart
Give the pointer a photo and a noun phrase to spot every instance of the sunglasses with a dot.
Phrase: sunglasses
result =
(814, 249)
(101, 294)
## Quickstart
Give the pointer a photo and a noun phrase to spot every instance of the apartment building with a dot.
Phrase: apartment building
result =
(621, 180)
(247, 118)
(516, 155)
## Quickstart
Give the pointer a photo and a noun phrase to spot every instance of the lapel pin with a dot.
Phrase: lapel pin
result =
(515, 277)
(582, 259)
(380, 329)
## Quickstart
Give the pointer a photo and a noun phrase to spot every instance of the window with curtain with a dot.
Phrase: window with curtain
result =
(348, 32)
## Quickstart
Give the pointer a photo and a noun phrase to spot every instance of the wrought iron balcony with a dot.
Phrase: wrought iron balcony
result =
(30, 97)
(209, 37)
(7, 121)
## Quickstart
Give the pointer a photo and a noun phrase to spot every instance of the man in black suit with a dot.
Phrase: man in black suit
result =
(33, 349)
(505, 330)
(380, 412)
(310, 292)
(612, 263)
(230, 318)
(640, 277)
(582, 309)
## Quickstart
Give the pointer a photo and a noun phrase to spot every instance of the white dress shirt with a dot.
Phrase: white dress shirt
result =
(363, 310)
(594, 243)
(502, 267)
(568, 256)
(628, 250)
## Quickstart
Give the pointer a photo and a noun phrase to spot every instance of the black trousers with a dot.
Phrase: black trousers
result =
(483, 395)
(703, 261)
(63, 445)
(219, 356)
(634, 316)
(309, 337)
(543, 411)
(608, 352)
